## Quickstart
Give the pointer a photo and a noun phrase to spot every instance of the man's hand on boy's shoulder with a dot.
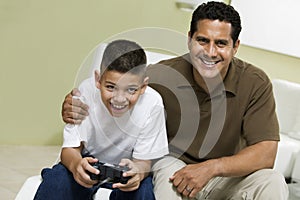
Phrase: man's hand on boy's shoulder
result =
(73, 110)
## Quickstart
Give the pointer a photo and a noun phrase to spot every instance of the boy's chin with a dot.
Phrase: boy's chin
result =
(118, 114)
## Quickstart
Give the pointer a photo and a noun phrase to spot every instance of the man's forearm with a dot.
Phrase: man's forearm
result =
(258, 156)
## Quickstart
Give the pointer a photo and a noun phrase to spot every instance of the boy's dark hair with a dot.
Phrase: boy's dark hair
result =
(217, 11)
(124, 56)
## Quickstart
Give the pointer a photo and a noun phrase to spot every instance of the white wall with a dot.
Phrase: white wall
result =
(271, 24)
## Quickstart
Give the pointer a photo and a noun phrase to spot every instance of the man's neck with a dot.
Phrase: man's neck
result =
(207, 84)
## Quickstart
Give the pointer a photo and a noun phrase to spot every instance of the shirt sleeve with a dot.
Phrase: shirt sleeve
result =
(71, 136)
(260, 120)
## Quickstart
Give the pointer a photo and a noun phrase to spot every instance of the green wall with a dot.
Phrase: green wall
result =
(43, 43)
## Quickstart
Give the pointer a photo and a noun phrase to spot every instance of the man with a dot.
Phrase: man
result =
(231, 152)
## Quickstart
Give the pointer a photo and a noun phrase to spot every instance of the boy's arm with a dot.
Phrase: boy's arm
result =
(139, 169)
(71, 158)
(143, 166)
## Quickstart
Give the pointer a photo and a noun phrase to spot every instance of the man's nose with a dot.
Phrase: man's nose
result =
(211, 50)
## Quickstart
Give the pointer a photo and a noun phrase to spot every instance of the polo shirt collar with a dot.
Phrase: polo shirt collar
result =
(230, 81)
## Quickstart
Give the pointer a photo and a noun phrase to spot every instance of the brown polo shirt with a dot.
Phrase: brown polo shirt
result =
(202, 125)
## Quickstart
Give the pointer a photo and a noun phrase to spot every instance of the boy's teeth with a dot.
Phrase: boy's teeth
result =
(117, 106)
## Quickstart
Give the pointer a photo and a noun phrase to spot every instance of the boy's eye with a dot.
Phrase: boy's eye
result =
(132, 90)
(110, 87)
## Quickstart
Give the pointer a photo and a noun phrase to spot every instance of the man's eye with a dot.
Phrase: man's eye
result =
(202, 40)
(221, 43)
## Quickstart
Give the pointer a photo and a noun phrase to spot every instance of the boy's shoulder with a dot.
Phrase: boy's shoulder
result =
(152, 94)
(87, 84)
(151, 98)
(150, 91)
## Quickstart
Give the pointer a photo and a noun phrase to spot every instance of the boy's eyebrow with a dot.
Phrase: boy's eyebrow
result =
(110, 82)
(133, 85)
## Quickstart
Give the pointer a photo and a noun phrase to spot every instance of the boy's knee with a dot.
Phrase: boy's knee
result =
(58, 176)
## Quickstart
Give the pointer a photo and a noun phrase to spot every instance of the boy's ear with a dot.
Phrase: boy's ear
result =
(145, 84)
(97, 78)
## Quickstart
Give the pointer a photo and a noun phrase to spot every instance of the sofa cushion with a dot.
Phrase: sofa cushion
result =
(31, 185)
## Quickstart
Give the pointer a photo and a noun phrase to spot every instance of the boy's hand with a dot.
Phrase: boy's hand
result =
(80, 172)
(73, 110)
(136, 178)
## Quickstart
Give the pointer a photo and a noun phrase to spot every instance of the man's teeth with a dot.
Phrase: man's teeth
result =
(209, 62)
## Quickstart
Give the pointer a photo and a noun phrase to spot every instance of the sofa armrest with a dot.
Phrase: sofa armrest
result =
(286, 154)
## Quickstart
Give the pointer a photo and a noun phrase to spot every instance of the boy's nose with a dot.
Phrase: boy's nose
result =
(119, 97)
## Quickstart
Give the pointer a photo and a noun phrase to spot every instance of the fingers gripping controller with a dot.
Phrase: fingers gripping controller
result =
(111, 171)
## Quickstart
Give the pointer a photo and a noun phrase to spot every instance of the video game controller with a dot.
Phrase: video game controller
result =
(112, 171)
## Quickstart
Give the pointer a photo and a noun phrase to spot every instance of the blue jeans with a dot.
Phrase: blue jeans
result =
(59, 184)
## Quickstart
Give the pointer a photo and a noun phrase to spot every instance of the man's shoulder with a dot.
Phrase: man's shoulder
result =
(250, 78)
(176, 62)
(166, 70)
(249, 71)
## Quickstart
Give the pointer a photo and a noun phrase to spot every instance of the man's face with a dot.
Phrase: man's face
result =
(211, 48)
(119, 91)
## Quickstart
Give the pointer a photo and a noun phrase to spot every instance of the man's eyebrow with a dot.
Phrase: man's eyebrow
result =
(225, 41)
(201, 37)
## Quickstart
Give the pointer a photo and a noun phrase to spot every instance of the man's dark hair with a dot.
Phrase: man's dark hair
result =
(124, 56)
(217, 11)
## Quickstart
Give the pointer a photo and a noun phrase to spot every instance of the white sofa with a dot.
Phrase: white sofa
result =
(287, 96)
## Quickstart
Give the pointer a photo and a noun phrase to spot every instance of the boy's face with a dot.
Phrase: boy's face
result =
(120, 91)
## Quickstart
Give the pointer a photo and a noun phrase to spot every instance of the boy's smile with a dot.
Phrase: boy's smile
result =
(120, 91)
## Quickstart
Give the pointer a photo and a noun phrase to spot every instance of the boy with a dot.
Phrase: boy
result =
(126, 125)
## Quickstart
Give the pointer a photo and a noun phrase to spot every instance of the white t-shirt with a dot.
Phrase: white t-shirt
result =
(140, 133)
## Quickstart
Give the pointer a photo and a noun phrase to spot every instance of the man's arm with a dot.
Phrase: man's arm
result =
(73, 110)
(252, 158)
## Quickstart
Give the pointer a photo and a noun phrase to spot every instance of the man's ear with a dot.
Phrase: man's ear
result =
(97, 78)
(189, 40)
(145, 84)
(236, 46)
